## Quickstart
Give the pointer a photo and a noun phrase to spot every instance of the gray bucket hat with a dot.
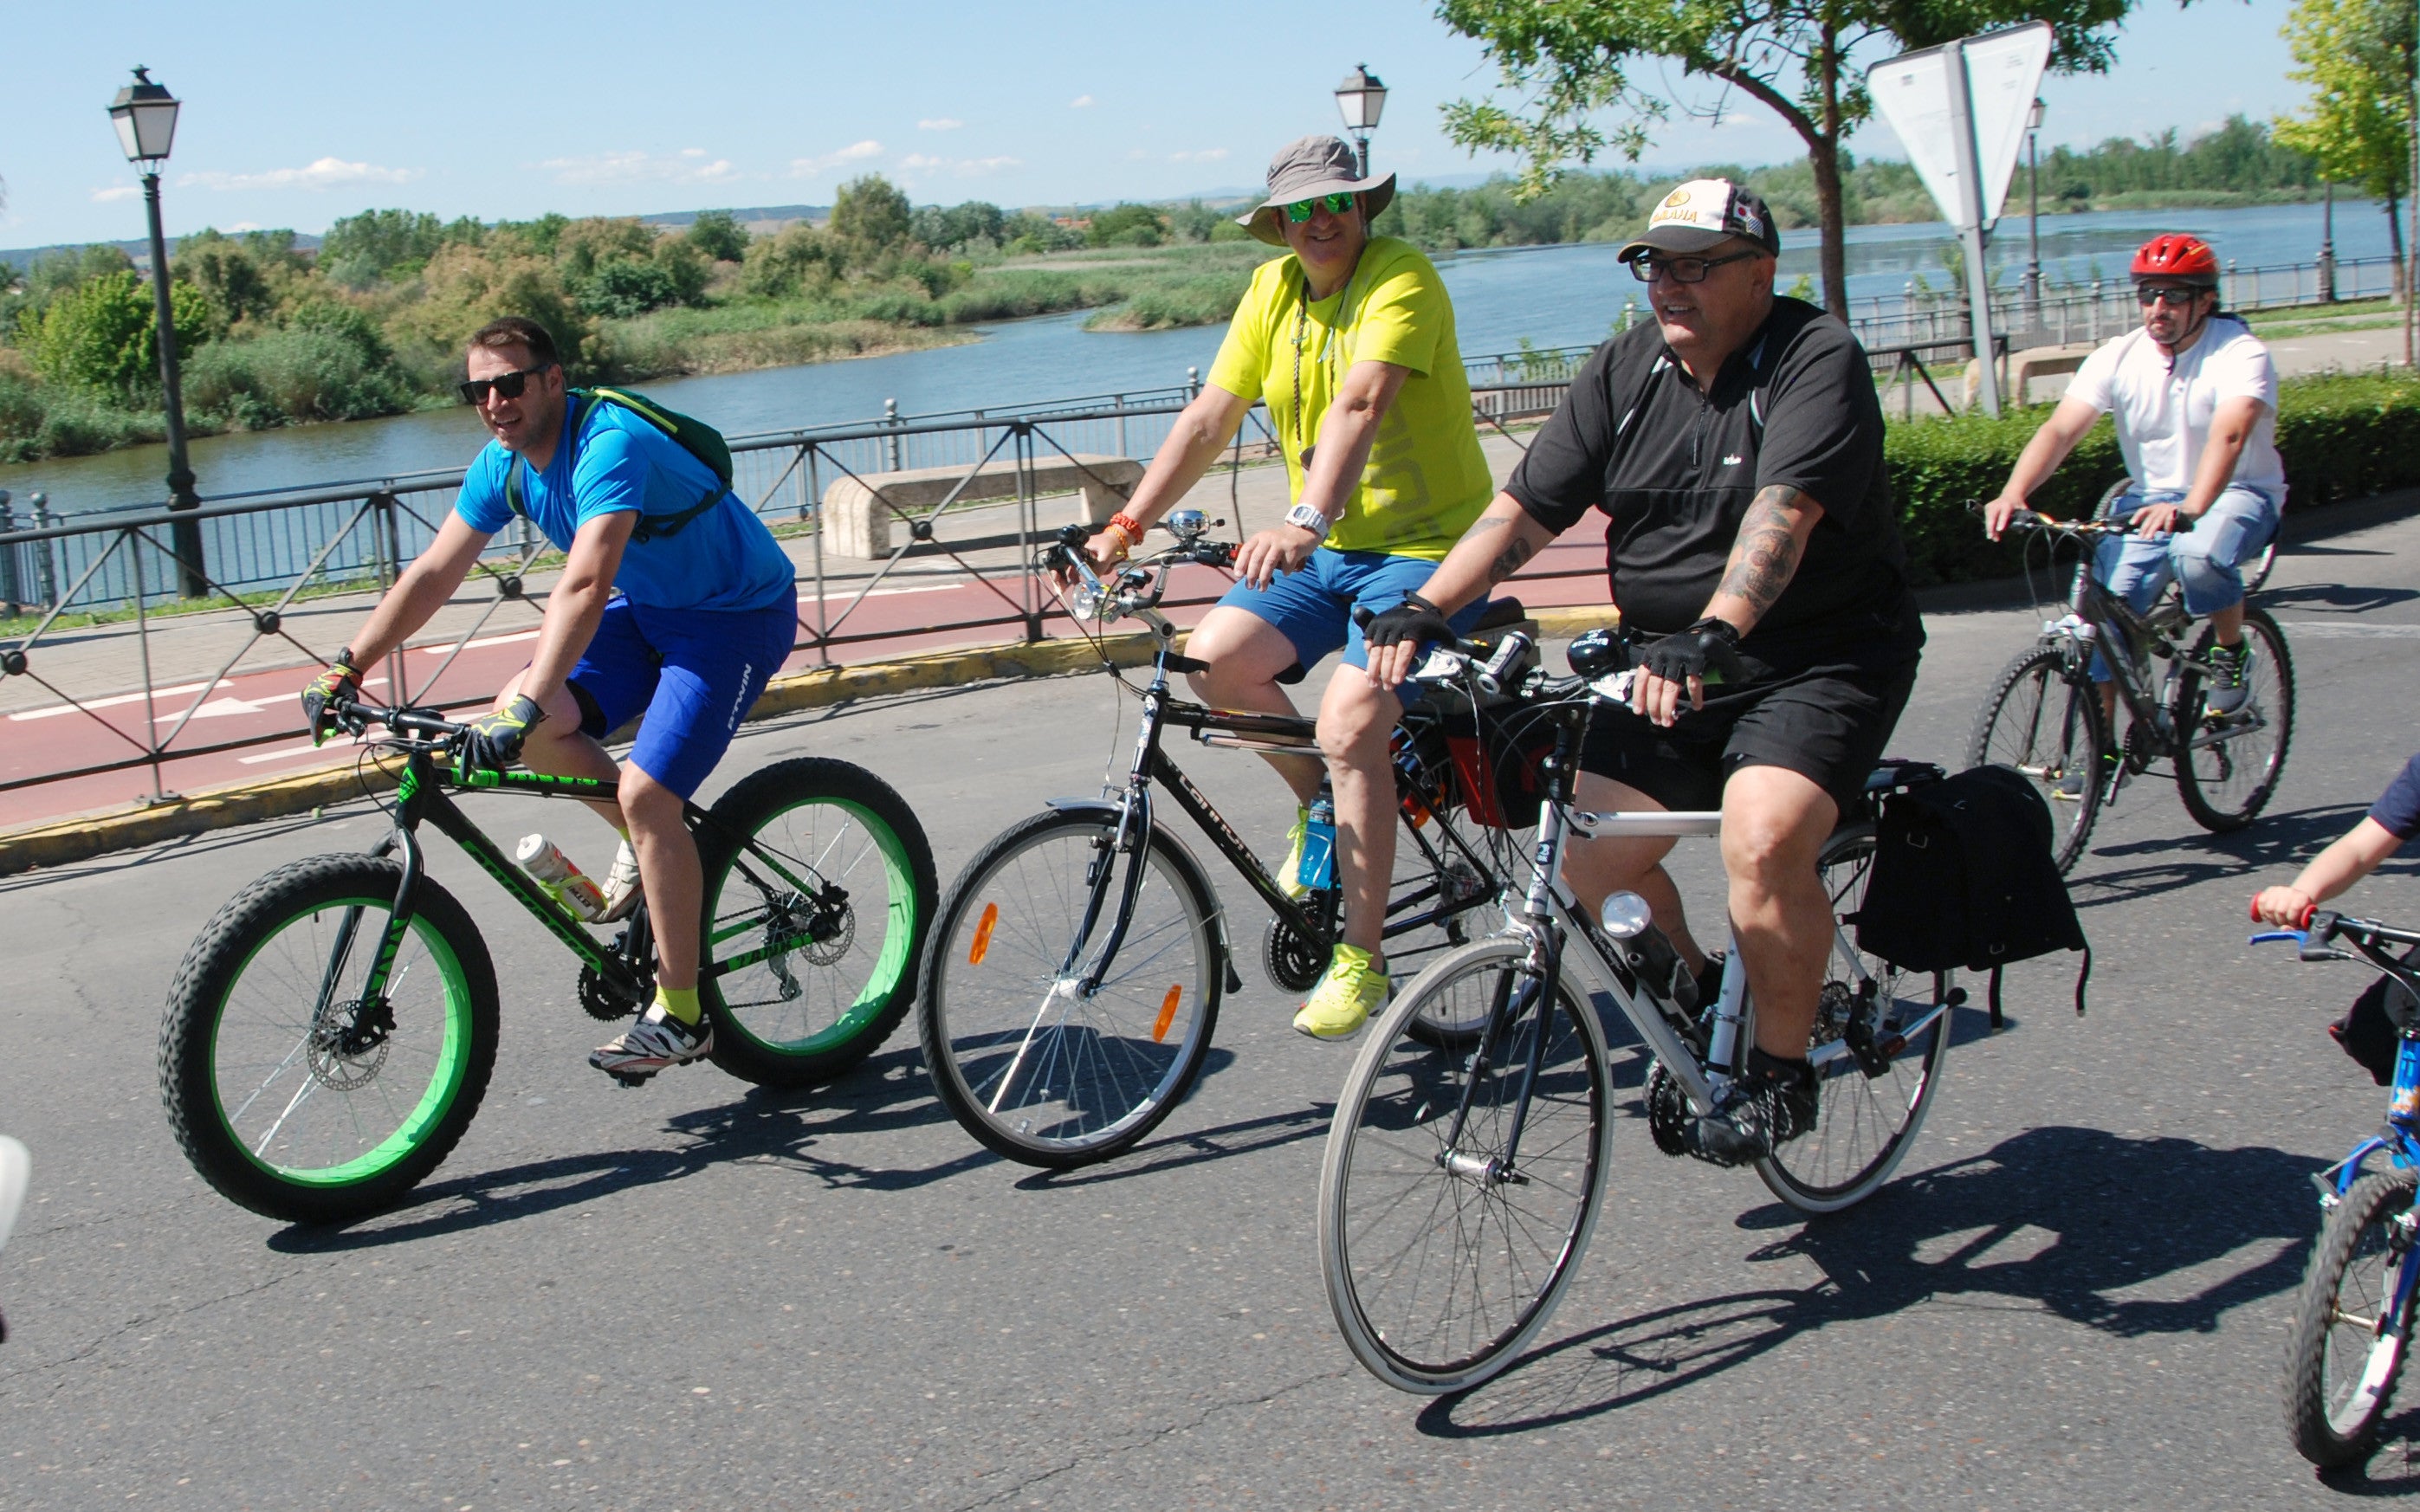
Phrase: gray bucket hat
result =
(1309, 166)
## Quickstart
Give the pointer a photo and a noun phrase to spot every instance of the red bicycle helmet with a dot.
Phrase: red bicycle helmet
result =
(2186, 259)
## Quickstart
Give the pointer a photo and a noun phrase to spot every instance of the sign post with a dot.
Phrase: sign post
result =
(1960, 111)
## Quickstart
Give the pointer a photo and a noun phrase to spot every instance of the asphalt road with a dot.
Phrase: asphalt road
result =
(2074, 1294)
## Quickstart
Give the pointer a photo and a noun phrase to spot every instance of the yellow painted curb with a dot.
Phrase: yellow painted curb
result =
(77, 839)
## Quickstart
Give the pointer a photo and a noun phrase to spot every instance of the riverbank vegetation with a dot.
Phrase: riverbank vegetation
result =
(372, 321)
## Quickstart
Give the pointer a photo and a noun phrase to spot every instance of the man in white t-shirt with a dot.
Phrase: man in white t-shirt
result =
(2194, 397)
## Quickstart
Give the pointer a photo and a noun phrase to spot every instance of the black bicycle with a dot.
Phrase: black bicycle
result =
(1073, 984)
(330, 1034)
(2043, 713)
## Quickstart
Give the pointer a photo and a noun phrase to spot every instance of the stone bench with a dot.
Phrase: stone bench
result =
(2027, 366)
(860, 514)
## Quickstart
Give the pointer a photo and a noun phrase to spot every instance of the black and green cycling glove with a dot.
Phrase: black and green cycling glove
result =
(339, 679)
(496, 737)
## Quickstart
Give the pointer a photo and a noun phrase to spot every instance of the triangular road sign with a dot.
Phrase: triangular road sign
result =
(2004, 69)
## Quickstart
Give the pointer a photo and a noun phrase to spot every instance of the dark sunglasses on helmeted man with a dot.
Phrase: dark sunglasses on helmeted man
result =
(508, 384)
(1301, 210)
(1680, 270)
(2148, 294)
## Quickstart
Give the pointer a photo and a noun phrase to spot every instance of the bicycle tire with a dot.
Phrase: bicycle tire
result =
(811, 1010)
(270, 1104)
(1866, 1124)
(2332, 1403)
(2012, 729)
(2220, 788)
(1404, 1237)
(1033, 1074)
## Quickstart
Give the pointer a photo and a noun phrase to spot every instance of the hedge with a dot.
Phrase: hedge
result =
(2342, 435)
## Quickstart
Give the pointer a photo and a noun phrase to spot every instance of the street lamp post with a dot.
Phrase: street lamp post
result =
(1361, 98)
(2033, 209)
(145, 114)
(2328, 241)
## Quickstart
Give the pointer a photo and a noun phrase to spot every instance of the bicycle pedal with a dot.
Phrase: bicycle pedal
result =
(632, 1080)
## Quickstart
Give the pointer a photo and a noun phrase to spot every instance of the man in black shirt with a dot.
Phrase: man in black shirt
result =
(1736, 444)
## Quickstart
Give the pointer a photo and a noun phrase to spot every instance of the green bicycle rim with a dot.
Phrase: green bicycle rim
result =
(453, 1062)
(890, 968)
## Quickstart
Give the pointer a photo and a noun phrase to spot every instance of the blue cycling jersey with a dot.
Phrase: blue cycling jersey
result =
(2397, 809)
(723, 558)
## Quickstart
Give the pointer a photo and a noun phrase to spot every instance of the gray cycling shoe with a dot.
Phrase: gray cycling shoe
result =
(2226, 692)
(657, 1041)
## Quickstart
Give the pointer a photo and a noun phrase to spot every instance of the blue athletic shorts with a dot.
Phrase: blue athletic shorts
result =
(1314, 607)
(693, 672)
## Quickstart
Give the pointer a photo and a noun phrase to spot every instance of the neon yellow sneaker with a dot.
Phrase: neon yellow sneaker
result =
(1290, 870)
(1350, 991)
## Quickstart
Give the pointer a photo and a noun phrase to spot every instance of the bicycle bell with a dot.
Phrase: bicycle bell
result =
(1597, 652)
(1187, 525)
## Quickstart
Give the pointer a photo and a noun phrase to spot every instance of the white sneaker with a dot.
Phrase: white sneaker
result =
(657, 1041)
(622, 885)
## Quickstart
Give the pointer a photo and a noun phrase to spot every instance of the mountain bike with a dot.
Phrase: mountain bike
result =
(2043, 713)
(331, 1032)
(1463, 1180)
(1078, 969)
(2352, 1321)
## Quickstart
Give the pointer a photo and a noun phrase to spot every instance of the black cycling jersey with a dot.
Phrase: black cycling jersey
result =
(1675, 471)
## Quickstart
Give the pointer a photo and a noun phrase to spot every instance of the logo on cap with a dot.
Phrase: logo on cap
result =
(1678, 196)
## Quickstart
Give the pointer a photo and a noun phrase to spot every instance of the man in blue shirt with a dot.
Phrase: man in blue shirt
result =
(665, 607)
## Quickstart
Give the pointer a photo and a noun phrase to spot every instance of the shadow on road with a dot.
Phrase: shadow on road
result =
(2345, 598)
(1246, 1137)
(887, 1094)
(2272, 847)
(2135, 1238)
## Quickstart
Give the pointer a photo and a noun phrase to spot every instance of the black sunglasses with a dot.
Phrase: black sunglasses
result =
(2149, 293)
(508, 384)
(1681, 269)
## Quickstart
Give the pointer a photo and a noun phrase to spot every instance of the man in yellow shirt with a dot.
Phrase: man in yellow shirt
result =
(1350, 343)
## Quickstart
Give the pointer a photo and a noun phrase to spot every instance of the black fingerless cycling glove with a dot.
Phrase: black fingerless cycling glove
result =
(1708, 650)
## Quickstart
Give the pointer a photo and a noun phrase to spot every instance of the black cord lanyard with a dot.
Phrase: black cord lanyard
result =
(1327, 350)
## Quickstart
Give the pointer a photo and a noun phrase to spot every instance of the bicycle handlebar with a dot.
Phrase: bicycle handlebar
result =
(355, 718)
(2027, 520)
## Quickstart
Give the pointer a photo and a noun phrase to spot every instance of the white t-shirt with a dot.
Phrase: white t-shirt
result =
(2163, 412)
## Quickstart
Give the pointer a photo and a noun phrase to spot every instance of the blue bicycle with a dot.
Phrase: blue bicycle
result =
(2353, 1322)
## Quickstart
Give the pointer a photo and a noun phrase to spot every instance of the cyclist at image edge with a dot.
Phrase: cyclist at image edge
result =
(1736, 445)
(2193, 395)
(2390, 822)
(683, 626)
(1350, 341)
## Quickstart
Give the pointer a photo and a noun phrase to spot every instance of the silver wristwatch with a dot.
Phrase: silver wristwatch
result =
(1310, 517)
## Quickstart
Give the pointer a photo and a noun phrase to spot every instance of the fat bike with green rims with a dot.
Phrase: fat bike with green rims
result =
(331, 1032)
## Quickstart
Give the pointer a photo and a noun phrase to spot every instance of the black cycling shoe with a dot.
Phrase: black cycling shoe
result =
(1771, 1105)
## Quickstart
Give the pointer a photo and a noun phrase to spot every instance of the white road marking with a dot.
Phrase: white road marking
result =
(2350, 630)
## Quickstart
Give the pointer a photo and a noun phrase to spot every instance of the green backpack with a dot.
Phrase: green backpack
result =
(695, 437)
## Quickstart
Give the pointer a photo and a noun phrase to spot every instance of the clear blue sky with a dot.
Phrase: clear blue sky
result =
(296, 114)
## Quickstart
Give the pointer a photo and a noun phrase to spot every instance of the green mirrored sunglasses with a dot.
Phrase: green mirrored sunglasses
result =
(1302, 211)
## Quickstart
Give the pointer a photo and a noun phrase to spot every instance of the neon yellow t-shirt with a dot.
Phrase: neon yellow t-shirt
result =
(1426, 479)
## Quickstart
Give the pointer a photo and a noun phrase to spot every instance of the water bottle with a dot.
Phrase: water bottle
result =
(566, 883)
(1318, 870)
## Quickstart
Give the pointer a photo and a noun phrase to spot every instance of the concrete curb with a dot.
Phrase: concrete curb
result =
(79, 839)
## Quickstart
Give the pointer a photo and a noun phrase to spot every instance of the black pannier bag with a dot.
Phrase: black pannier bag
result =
(2370, 1028)
(1964, 878)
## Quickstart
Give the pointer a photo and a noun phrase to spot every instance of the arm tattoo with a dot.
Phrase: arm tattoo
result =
(1514, 556)
(1766, 555)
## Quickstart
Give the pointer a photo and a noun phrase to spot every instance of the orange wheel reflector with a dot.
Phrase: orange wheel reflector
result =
(982, 934)
(1167, 1013)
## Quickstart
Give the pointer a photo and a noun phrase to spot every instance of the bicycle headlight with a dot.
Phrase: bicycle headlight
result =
(1087, 602)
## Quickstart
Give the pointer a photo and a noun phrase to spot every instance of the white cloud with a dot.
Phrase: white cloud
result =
(943, 123)
(1080, 103)
(1205, 155)
(689, 166)
(853, 152)
(326, 173)
(921, 165)
(115, 192)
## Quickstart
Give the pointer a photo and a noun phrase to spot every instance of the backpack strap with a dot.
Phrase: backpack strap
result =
(650, 526)
(513, 468)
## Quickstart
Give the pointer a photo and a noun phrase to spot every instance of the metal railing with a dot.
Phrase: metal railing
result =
(358, 537)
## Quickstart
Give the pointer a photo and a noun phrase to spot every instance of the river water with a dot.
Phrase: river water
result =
(1551, 296)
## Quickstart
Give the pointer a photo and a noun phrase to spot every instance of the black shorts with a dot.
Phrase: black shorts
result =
(1828, 724)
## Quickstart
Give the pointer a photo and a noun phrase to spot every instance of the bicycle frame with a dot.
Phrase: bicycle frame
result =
(2126, 639)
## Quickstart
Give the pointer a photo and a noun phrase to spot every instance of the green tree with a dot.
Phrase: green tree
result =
(379, 245)
(103, 335)
(1566, 63)
(1126, 225)
(718, 235)
(870, 217)
(239, 287)
(2358, 57)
